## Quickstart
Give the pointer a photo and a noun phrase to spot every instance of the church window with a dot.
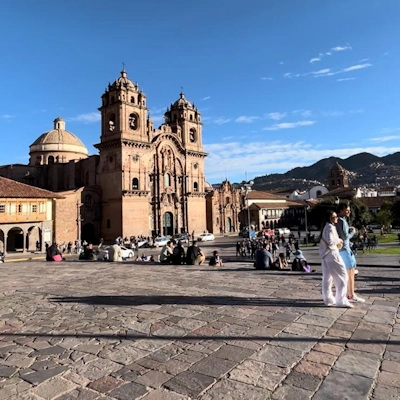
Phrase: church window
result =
(108, 225)
(167, 180)
(191, 117)
(111, 123)
(88, 202)
(228, 200)
(132, 100)
(338, 181)
(50, 160)
(135, 184)
(192, 135)
(333, 182)
(133, 121)
(112, 99)
(195, 186)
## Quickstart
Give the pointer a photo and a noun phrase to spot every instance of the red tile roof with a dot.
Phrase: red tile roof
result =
(286, 204)
(13, 189)
(259, 195)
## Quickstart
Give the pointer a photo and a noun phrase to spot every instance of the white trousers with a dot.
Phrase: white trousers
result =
(334, 271)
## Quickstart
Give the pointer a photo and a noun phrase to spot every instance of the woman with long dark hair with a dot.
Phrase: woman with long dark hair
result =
(333, 268)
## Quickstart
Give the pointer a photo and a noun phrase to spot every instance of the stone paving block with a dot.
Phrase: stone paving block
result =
(358, 363)
(48, 351)
(309, 331)
(382, 392)
(95, 369)
(303, 344)
(316, 320)
(189, 383)
(88, 348)
(392, 356)
(213, 366)
(40, 376)
(161, 394)
(303, 381)
(233, 353)
(105, 384)
(320, 358)
(288, 392)
(338, 386)
(280, 356)
(173, 366)
(129, 391)
(233, 390)
(79, 394)
(389, 379)
(328, 348)
(190, 357)
(53, 387)
(6, 372)
(390, 366)
(258, 374)
(312, 368)
(125, 355)
(154, 379)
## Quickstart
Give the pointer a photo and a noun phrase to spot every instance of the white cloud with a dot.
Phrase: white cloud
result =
(332, 113)
(206, 98)
(7, 116)
(303, 113)
(266, 78)
(382, 139)
(322, 71)
(261, 158)
(341, 48)
(281, 62)
(356, 111)
(345, 79)
(315, 59)
(246, 119)
(288, 125)
(328, 53)
(287, 75)
(87, 118)
(356, 67)
(276, 116)
(221, 121)
(158, 119)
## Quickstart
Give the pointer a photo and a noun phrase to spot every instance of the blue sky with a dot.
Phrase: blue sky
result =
(279, 83)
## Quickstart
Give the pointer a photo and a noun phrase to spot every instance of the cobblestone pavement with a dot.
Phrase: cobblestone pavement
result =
(128, 331)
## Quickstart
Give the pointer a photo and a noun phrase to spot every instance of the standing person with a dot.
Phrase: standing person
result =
(333, 268)
(346, 233)
(115, 252)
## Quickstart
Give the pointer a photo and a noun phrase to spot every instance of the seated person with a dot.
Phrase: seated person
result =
(167, 252)
(88, 253)
(194, 255)
(300, 263)
(53, 254)
(263, 258)
(178, 256)
(215, 260)
(281, 262)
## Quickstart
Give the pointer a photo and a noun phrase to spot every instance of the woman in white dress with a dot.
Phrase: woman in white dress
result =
(333, 268)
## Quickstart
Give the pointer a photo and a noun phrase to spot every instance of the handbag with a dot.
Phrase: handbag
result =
(57, 257)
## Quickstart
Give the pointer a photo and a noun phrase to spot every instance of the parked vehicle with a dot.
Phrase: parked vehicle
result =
(103, 253)
(182, 237)
(205, 237)
(282, 231)
(161, 241)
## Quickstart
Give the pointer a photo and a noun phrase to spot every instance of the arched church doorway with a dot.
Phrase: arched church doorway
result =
(89, 233)
(168, 224)
(33, 240)
(229, 224)
(15, 239)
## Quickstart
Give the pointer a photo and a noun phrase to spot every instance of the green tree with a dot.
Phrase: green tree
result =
(385, 214)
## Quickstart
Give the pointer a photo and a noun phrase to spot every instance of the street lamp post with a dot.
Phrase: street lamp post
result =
(305, 221)
(246, 186)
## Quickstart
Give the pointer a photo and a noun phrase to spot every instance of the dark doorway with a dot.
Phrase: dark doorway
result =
(229, 224)
(168, 225)
(89, 233)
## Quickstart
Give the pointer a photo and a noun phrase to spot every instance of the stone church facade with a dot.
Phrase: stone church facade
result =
(144, 181)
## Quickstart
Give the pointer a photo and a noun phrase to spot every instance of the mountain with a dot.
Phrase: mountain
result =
(365, 169)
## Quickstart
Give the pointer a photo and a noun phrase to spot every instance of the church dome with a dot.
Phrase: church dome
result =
(182, 102)
(124, 82)
(57, 145)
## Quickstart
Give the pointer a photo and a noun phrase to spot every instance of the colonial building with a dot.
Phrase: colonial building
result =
(26, 216)
(224, 203)
(143, 181)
